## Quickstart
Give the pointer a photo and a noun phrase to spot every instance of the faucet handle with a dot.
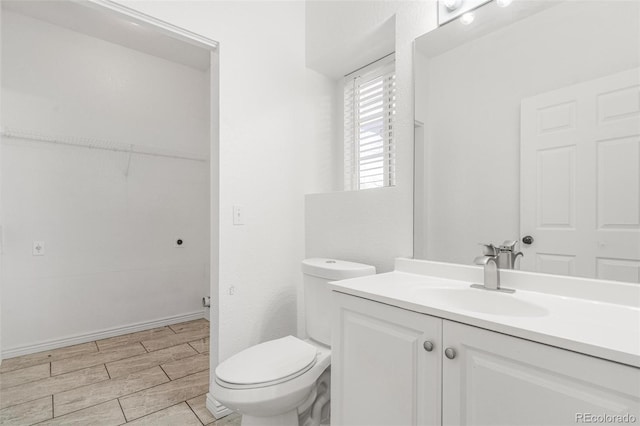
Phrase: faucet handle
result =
(489, 249)
(509, 245)
(514, 258)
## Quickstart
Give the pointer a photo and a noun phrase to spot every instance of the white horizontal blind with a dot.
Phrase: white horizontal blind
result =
(369, 113)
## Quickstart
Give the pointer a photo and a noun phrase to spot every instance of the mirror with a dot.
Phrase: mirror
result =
(528, 125)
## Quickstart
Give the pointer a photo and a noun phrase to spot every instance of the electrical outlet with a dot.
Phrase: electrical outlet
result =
(38, 248)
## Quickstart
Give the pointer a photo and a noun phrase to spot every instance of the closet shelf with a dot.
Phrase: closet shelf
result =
(101, 144)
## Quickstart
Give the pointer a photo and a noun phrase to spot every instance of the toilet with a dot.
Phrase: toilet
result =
(286, 382)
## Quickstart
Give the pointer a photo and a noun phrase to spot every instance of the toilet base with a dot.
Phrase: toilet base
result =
(313, 412)
(287, 419)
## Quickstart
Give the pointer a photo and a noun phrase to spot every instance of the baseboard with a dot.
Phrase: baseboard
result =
(218, 410)
(98, 335)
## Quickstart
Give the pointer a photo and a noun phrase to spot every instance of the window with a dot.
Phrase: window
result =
(369, 114)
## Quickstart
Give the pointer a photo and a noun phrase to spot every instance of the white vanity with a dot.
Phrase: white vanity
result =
(418, 346)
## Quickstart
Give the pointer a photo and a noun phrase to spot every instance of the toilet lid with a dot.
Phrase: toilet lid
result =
(267, 362)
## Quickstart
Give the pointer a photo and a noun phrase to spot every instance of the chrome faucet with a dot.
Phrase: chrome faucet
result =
(490, 259)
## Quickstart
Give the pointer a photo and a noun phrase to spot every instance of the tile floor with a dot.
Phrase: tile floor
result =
(153, 377)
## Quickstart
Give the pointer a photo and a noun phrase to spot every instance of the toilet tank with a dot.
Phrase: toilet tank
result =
(317, 272)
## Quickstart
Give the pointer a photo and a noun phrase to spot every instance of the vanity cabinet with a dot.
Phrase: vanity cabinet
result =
(496, 379)
(383, 375)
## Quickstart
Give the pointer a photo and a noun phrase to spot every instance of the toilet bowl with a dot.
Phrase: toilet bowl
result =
(286, 382)
(272, 390)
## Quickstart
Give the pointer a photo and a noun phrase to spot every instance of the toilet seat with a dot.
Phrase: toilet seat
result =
(267, 364)
(265, 384)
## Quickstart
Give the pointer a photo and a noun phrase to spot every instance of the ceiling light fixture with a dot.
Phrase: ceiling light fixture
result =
(504, 3)
(452, 5)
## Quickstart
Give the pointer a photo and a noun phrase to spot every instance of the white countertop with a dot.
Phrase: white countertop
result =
(601, 329)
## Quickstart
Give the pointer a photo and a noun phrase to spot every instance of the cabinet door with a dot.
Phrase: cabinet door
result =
(381, 372)
(496, 379)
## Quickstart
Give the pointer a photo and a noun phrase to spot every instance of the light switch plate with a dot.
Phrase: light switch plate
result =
(238, 215)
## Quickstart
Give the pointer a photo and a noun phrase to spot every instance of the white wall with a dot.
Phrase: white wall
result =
(323, 125)
(470, 98)
(372, 226)
(109, 225)
(332, 229)
(1, 217)
(268, 159)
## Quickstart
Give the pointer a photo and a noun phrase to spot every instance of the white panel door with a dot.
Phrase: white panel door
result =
(580, 179)
(495, 379)
(381, 373)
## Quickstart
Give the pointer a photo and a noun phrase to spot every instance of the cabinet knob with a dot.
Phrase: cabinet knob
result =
(450, 353)
(428, 346)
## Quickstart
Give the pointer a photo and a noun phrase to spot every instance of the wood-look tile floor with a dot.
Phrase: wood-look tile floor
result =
(153, 377)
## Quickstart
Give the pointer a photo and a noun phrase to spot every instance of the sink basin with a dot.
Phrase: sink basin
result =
(483, 301)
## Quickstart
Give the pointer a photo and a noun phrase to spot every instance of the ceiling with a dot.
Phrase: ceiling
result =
(342, 36)
(96, 21)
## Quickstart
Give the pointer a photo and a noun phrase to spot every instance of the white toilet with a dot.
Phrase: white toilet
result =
(286, 382)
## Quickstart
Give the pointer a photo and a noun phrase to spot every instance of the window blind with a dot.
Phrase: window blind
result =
(369, 114)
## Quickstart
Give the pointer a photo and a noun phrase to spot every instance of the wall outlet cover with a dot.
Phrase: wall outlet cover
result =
(38, 248)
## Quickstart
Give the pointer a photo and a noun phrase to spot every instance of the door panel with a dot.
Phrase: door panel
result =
(618, 190)
(619, 270)
(556, 188)
(557, 264)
